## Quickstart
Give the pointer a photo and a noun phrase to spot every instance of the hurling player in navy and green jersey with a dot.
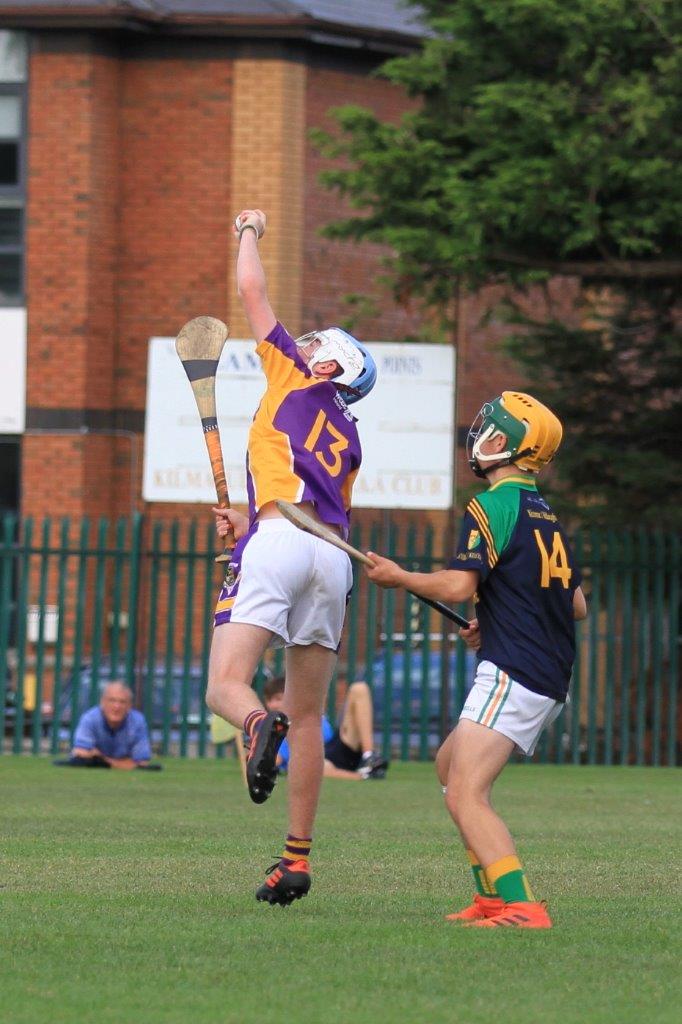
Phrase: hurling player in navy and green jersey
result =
(514, 557)
(285, 587)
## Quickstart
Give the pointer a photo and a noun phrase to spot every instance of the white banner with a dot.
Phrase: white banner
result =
(13, 376)
(406, 426)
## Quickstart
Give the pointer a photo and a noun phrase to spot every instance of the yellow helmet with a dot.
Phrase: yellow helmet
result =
(532, 430)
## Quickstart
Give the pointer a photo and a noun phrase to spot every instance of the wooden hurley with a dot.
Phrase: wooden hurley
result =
(199, 345)
(303, 521)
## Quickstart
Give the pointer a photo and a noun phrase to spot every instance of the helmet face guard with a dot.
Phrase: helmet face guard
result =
(532, 431)
(491, 421)
(358, 371)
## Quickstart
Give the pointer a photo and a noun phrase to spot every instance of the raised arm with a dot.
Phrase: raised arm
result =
(251, 284)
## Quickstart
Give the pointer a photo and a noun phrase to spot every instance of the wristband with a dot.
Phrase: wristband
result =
(242, 228)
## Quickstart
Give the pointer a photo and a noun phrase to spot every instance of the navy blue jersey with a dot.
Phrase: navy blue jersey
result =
(527, 578)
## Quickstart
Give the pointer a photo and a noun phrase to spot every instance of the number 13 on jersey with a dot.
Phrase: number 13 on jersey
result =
(334, 448)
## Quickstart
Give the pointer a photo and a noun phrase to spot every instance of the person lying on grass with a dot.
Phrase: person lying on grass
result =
(111, 734)
(349, 749)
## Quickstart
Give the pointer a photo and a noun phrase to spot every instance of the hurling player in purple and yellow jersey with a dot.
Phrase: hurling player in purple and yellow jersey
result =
(514, 556)
(286, 587)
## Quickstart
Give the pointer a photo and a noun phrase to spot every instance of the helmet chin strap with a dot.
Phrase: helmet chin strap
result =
(489, 434)
(484, 470)
(348, 389)
(499, 459)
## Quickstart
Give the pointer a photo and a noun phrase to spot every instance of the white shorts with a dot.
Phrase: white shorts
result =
(500, 703)
(291, 583)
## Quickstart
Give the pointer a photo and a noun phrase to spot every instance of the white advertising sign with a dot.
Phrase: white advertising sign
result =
(13, 376)
(406, 426)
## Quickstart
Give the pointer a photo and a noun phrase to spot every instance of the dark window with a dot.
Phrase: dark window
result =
(10, 278)
(9, 163)
(9, 474)
(13, 74)
(10, 226)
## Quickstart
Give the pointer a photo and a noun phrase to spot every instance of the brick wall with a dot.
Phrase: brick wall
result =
(71, 252)
(175, 219)
(334, 269)
(267, 173)
(174, 204)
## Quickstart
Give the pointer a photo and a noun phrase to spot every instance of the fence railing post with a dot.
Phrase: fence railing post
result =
(370, 635)
(170, 638)
(25, 541)
(187, 638)
(152, 624)
(627, 586)
(406, 693)
(657, 647)
(136, 526)
(388, 620)
(642, 559)
(673, 648)
(610, 681)
(353, 613)
(209, 595)
(37, 720)
(120, 557)
(79, 627)
(425, 625)
(62, 564)
(593, 676)
(577, 677)
(6, 567)
(98, 607)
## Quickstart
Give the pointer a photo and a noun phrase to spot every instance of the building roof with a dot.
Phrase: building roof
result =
(393, 23)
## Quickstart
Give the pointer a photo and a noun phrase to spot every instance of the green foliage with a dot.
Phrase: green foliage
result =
(545, 131)
(545, 138)
(616, 387)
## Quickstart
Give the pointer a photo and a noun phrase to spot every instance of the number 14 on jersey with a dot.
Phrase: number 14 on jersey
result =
(554, 564)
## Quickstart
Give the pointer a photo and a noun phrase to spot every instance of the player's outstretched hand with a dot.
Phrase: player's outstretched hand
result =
(228, 517)
(384, 572)
(472, 635)
(250, 219)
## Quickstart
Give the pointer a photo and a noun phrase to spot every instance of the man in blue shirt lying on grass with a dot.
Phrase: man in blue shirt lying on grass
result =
(111, 735)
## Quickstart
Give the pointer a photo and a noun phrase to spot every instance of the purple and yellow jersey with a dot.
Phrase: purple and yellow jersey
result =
(527, 578)
(303, 443)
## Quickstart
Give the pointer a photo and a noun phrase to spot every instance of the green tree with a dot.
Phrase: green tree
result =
(545, 140)
(616, 384)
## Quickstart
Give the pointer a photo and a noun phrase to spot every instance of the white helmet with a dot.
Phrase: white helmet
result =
(357, 368)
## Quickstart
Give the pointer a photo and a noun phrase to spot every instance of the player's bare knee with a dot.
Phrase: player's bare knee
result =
(453, 805)
(216, 693)
(359, 689)
(306, 718)
(211, 701)
(442, 763)
(461, 795)
(441, 772)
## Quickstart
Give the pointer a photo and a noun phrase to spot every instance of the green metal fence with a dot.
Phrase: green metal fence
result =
(85, 602)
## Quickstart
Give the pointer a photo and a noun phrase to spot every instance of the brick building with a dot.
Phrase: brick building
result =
(130, 133)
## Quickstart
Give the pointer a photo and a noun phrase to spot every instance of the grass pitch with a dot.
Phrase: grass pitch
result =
(129, 897)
